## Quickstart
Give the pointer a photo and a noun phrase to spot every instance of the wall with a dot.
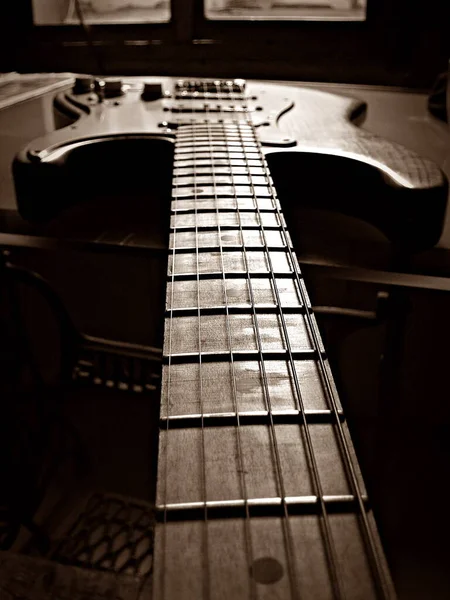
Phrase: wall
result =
(403, 43)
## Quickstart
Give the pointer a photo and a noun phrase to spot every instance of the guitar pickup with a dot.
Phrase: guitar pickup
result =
(216, 86)
(207, 109)
(185, 95)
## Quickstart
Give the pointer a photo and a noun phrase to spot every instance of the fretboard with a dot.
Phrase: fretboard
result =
(259, 493)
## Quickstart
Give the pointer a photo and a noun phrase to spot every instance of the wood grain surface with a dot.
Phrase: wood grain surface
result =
(302, 130)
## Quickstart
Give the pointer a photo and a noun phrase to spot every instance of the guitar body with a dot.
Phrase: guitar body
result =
(303, 131)
(259, 493)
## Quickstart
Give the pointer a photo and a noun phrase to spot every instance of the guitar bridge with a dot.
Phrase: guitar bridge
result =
(218, 89)
(210, 108)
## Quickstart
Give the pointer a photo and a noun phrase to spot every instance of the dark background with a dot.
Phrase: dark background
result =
(402, 43)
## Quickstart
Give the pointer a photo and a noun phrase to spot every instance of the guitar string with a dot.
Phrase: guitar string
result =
(288, 542)
(241, 469)
(377, 569)
(326, 528)
(205, 542)
(206, 578)
(168, 394)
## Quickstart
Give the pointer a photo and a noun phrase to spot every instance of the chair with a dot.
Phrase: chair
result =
(34, 434)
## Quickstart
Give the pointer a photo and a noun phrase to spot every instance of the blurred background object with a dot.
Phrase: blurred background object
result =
(286, 9)
(64, 12)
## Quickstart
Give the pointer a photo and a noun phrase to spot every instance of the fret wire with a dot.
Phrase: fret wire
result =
(211, 131)
(191, 357)
(218, 143)
(218, 127)
(240, 308)
(248, 532)
(331, 551)
(208, 249)
(286, 528)
(212, 228)
(206, 161)
(207, 133)
(206, 582)
(221, 149)
(374, 559)
(214, 132)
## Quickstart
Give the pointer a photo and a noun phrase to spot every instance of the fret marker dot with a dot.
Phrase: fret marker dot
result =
(266, 570)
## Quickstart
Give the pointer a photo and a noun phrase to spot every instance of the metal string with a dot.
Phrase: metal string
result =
(169, 382)
(279, 473)
(206, 588)
(243, 483)
(205, 561)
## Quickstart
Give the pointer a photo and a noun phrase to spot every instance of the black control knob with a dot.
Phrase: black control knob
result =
(83, 85)
(112, 88)
(152, 91)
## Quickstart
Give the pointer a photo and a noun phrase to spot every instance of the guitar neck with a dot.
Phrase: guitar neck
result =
(259, 493)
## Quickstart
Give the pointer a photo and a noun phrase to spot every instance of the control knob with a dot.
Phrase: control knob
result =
(112, 88)
(152, 91)
(83, 85)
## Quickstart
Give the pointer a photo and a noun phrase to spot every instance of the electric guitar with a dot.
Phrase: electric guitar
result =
(259, 493)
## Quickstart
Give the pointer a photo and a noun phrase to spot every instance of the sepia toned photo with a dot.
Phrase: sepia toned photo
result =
(224, 300)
